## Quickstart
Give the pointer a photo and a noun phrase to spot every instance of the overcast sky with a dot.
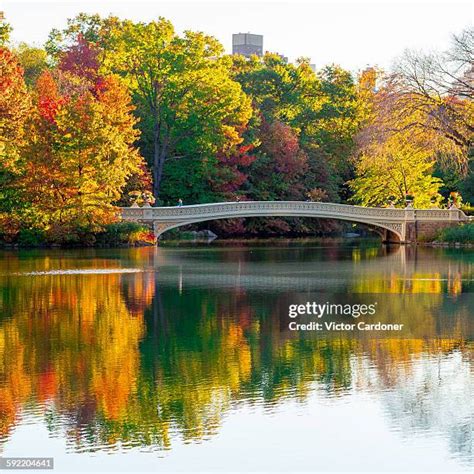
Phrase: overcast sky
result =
(350, 33)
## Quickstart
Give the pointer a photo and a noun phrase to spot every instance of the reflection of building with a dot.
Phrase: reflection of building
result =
(247, 44)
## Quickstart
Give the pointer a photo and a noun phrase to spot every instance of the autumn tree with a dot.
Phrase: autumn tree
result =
(420, 121)
(14, 106)
(278, 173)
(33, 60)
(81, 59)
(5, 30)
(79, 154)
(390, 170)
(433, 94)
(14, 109)
(233, 171)
(392, 159)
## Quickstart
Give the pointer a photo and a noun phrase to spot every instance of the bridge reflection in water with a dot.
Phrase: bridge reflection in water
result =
(396, 225)
(161, 355)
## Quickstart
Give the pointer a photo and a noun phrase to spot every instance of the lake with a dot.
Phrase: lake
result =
(181, 358)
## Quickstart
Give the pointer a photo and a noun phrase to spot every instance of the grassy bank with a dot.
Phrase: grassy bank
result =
(463, 234)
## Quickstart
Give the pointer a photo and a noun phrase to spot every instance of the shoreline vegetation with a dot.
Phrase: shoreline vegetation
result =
(121, 234)
(461, 235)
(130, 234)
(109, 112)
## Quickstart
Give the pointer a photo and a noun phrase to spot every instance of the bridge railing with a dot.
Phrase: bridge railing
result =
(439, 214)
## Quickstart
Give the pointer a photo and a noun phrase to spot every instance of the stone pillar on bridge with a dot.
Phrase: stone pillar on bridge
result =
(409, 226)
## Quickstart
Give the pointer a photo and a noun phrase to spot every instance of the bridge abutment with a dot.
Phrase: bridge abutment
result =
(389, 237)
(424, 225)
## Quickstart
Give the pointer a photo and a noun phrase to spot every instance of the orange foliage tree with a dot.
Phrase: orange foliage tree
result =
(14, 108)
(79, 155)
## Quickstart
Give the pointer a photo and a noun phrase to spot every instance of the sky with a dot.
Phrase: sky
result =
(351, 33)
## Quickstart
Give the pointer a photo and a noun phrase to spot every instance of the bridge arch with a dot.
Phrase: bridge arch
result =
(387, 233)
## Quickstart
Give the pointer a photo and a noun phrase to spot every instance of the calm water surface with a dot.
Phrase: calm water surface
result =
(181, 359)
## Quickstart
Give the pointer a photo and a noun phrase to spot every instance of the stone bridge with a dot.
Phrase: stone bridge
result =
(395, 225)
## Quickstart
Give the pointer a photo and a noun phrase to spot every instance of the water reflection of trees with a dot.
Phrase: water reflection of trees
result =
(122, 358)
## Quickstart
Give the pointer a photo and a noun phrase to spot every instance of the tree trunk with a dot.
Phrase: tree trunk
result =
(159, 162)
(156, 174)
(159, 157)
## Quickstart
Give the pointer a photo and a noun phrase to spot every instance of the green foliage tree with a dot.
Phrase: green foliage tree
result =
(189, 107)
(322, 109)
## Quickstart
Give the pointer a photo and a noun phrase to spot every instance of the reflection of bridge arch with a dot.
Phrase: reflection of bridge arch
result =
(301, 272)
(396, 225)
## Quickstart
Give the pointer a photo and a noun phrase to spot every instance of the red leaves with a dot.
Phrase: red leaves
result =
(81, 59)
(244, 158)
(281, 143)
(100, 85)
(229, 176)
(76, 75)
(48, 107)
(49, 98)
(238, 157)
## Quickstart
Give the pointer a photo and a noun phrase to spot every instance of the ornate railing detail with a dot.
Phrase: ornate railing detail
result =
(278, 207)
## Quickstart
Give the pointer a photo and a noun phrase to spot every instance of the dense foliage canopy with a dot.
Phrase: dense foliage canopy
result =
(111, 108)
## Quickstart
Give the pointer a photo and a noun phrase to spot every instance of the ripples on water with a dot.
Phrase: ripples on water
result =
(151, 350)
(91, 271)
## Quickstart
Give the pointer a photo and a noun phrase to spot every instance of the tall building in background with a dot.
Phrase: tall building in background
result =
(247, 44)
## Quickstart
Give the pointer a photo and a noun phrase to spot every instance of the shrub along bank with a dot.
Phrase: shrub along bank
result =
(119, 234)
(463, 234)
